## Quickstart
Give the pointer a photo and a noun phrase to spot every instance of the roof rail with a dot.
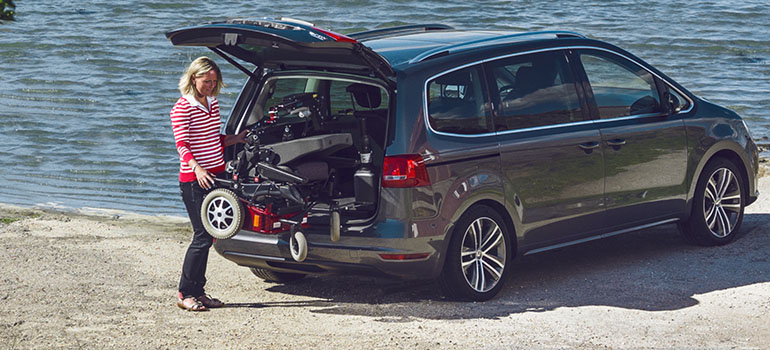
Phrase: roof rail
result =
(443, 51)
(399, 30)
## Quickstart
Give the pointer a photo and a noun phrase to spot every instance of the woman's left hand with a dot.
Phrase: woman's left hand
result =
(233, 139)
(241, 138)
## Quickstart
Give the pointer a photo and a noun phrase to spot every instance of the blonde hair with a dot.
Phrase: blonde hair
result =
(199, 68)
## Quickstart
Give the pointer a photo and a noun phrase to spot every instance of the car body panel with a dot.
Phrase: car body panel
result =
(556, 187)
(644, 178)
(349, 254)
(717, 130)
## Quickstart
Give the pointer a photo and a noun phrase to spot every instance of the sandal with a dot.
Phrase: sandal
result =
(210, 302)
(191, 304)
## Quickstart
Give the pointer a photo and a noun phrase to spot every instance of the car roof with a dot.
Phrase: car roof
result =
(403, 49)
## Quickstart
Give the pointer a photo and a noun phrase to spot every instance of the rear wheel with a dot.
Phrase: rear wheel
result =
(222, 213)
(273, 276)
(478, 256)
(717, 211)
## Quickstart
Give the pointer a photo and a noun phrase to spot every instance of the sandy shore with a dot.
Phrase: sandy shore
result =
(97, 280)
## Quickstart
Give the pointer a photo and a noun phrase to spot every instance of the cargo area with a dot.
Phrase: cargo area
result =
(321, 141)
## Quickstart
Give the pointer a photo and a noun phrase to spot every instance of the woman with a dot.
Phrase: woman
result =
(196, 123)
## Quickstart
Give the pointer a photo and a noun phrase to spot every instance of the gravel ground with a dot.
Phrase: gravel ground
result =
(80, 281)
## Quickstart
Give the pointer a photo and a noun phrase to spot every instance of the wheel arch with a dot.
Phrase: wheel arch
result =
(725, 150)
(496, 206)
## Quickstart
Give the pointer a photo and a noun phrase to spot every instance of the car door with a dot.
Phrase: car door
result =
(644, 147)
(551, 157)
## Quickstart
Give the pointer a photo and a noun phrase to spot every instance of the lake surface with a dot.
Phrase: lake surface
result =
(87, 85)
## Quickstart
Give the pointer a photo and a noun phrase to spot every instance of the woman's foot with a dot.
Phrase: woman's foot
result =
(210, 302)
(191, 304)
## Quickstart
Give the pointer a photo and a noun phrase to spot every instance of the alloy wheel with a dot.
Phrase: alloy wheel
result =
(482, 255)
(722, 202)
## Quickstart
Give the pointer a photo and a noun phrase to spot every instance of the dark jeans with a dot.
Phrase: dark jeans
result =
(194, 267)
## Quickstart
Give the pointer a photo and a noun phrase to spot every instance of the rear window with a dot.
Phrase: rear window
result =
(457, 103)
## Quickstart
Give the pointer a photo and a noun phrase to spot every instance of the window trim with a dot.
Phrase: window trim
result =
(544, 127)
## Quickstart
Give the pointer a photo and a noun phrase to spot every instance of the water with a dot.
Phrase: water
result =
(87, 85)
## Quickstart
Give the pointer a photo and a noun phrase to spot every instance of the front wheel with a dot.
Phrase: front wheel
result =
(478, 256)
(717, 211)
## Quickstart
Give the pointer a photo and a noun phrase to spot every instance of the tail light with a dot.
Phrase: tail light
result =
(336, 36)
(406, 170)
(264, 221)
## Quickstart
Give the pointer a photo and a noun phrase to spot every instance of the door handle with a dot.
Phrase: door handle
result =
(588, 147)
(616, 142)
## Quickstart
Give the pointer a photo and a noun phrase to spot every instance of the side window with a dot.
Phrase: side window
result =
(273, 94)
(346, 97)
(620, 87)
(534, 90)
(457, 102)
(339, 99)
(293, 99)
(286, 87)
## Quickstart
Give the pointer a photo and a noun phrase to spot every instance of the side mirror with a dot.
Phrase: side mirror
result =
(674, 106)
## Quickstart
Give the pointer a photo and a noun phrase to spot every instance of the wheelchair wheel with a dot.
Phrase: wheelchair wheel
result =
(222, 213)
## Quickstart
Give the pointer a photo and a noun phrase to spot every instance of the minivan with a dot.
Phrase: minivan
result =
(433, 153)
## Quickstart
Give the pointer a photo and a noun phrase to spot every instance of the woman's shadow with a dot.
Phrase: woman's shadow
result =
(651, 270)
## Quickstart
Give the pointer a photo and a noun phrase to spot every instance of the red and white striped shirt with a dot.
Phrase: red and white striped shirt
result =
(196, 132)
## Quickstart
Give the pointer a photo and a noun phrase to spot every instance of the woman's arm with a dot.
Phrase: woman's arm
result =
(180, 123)
(233, 139)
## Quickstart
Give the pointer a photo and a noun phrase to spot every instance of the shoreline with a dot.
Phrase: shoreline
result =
(12, 213)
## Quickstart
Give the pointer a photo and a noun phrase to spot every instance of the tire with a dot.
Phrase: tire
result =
(222, 213)
(298, 246)
(718, 204)
(335, 226)
(476, 266)
(273, 276)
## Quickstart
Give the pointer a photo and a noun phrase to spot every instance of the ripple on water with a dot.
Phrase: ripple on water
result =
(95, 81)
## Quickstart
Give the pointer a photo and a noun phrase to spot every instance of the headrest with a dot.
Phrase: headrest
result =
(530, 79)
(367, 96)
(527, 75)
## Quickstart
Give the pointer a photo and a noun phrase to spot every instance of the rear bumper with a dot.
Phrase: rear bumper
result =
(349, 255)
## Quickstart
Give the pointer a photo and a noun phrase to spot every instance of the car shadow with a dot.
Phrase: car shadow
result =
(651, 270)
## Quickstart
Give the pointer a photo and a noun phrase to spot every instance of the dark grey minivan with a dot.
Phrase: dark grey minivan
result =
(425, 152)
